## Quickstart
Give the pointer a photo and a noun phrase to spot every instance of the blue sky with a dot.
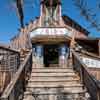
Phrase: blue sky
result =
(9, 23)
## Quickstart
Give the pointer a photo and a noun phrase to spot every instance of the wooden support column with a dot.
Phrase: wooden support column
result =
(41, 9)
(72, 44)
(99, 46)
(63, 56)
(59, 13)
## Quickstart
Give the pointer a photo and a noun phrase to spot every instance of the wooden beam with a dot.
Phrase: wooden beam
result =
(51, 39)
(72, 44)
(99, 46)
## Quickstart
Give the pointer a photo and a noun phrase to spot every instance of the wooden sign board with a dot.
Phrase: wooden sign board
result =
(51, 31)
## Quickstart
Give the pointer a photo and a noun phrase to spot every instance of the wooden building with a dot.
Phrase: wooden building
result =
(52, 30)
(52, 39)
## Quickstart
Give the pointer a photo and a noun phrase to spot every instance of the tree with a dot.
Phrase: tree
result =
(90, 14)
(19, 5)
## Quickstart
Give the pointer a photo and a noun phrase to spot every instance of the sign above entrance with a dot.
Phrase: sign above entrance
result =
(51, 31)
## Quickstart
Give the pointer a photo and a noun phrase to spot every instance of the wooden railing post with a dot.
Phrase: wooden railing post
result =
(99, 47)
(98, 95)
(81, 75)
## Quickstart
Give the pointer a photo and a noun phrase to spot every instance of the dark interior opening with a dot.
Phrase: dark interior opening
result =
(51, 55)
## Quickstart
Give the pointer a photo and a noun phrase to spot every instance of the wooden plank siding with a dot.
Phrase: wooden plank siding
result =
(9, 62)
(95, 72)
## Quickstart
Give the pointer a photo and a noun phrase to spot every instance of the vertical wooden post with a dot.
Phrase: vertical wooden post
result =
(98, 95)
(63, 56)
(72, 44)
(41, 9)
(59, 12)
(39, 56)
(99, 46)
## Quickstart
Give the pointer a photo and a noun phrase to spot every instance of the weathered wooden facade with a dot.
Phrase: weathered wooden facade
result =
(56, 55)
(51, 28)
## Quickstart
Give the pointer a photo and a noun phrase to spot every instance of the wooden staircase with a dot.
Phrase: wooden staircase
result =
(54, 83)
(51, 83)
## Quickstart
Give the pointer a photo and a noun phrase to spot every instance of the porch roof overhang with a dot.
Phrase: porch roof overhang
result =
(48, 39)
(51, 35)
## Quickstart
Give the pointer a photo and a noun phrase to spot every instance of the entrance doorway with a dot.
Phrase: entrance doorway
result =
(51, 55)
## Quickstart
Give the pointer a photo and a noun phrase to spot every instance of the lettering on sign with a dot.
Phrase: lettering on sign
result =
(51, 31)
(91, 62)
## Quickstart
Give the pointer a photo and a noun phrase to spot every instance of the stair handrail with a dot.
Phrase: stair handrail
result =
(9, 49)
(90, 54)
(92, 85)
(15, 89)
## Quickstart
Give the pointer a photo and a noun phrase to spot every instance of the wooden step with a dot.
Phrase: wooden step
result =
(51, 68)
(54, 91)
(53, 74)
(75, 96)
(37, 79)
(29, 95)
(46, 70)
(48, 84)
(53, 85)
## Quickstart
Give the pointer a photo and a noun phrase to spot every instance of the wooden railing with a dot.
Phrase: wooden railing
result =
(89, 82)
(9, 63)
(84, 52)
(15, 89)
